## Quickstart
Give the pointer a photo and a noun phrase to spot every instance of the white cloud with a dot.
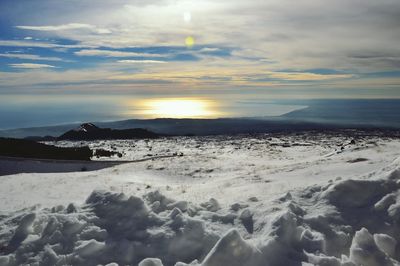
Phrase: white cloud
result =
(210, 49)
(31, 57)
(307, 76)
(21, 43)
(142, 61)
(66, 27)
(108, 53)
(30, 66)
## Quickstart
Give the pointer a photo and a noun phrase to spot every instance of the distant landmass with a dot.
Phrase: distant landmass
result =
(374, 112)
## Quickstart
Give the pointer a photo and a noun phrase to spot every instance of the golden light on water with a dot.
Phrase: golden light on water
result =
(176, 108)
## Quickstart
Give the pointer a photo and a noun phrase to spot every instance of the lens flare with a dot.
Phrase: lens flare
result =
(189, 41)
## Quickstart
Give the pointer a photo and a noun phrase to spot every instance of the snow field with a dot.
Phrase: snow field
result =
(352, 222)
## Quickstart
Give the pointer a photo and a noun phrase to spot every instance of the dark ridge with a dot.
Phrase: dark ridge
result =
(136, 128)
(31, 149)
(38, 138)
(89, 131)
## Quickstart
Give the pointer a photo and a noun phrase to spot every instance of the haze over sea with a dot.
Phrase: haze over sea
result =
(35, 111)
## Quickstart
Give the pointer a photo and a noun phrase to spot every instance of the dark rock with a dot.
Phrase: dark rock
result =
(31, 149)
(91, 132)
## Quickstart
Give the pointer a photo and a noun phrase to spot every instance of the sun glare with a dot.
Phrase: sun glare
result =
(177, 108)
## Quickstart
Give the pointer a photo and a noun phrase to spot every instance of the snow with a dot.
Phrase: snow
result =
(365, 251)
(230, 201)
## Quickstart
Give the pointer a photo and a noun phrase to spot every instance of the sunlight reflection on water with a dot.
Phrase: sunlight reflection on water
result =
(175, 108)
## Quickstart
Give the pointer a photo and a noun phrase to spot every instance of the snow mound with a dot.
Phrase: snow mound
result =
(353, 222)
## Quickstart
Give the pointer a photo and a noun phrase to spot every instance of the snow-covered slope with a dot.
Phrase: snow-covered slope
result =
(227, 201)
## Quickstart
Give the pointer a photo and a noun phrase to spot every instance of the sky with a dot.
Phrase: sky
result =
(85, 51)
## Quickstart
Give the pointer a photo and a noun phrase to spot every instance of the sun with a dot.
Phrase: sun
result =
(187, 16)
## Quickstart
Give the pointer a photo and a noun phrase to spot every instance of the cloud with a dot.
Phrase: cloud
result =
(31, 57)
(141, 61)
(20, 43)
(293, 76)
(67, 27)
(30, 66)
(210, 49)
(243, 74)
(306, 33)
(110, 53)
(182, 77)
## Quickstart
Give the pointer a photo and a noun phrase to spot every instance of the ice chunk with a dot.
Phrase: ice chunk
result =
(364, 251)
(296, 209)
(231, 250)
(288, 196)
(193, 263)
(385, 202)
(71, 208)
(49, 256)
(225, 219)
(163, 201)
(90, 248)
(253, 199)
(247, 220)
(212, 205)
(150, 262)
(323, 260)
(312, 241)
(394, 211)
(237, 206)
(394, 174)
(7, 260)
(22, 232)
(358, 193)
(182, 205)
(386, 243)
